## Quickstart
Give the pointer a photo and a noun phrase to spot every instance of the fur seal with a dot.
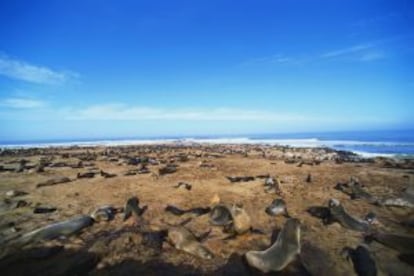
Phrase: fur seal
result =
(199, 211)
(281, 253)
(364, 263)
(403, 244)
(277, 207)
(321, 212)
(52, 231)
(132, 207)
(339, 213)
(308, 178)
(104, 213)
(234, 217)
(85, 175)
(170, 168)
(311, 257)
(15, 193)
(220, 215)
(184, 240)
(234, 179)
(174, 210)
(107, 175)
(185, 185)
(356, 190)
(53, 181)
(272, 184)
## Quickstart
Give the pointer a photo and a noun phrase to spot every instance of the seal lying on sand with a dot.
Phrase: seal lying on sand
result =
(339, 214)
(321, 212)
(405, 200)
(403, 244)
(53, 181)
(184, 240)
(364, 263)
(107, 175)
(234, 179)
(356, 190)
(277, 207)
(185, 185)
(52, 231)
(281, 253)
(234, 217)
(178, 212)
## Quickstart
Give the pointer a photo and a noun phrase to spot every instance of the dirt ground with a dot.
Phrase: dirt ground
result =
(120, 247)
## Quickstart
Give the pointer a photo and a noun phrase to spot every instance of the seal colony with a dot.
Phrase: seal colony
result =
(253, 209)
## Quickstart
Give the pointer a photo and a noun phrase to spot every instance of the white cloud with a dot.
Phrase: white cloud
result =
(125, 112)
(21, 70)
(347, 51)
(274, 59)
(21, 103)
(372, 56)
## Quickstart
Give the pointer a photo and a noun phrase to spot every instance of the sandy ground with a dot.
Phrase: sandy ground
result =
(118, 248)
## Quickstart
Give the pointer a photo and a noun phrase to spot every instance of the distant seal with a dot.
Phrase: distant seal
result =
(107, 175)
(85, 175)
(346, 220)
(364, 263)
(185, 185)
(54, 181)
(184, 240)
(281, 253)
(277, 207)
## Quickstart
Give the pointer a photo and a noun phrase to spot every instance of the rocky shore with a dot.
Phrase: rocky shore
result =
(198, 209)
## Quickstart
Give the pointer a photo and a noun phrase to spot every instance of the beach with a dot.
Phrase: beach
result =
(118, 247)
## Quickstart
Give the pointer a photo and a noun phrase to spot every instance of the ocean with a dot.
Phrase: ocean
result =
(394, 143)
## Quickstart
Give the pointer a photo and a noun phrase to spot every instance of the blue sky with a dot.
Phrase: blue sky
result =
(85, 69)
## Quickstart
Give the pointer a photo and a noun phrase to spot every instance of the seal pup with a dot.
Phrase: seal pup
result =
(339, 213)
(184, 240)
(132, 207)
(277, 207)
(234, 218)
(321, 212)
(281, 253)
(364, 263)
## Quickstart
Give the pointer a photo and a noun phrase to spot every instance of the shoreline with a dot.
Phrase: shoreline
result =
(211, 142)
